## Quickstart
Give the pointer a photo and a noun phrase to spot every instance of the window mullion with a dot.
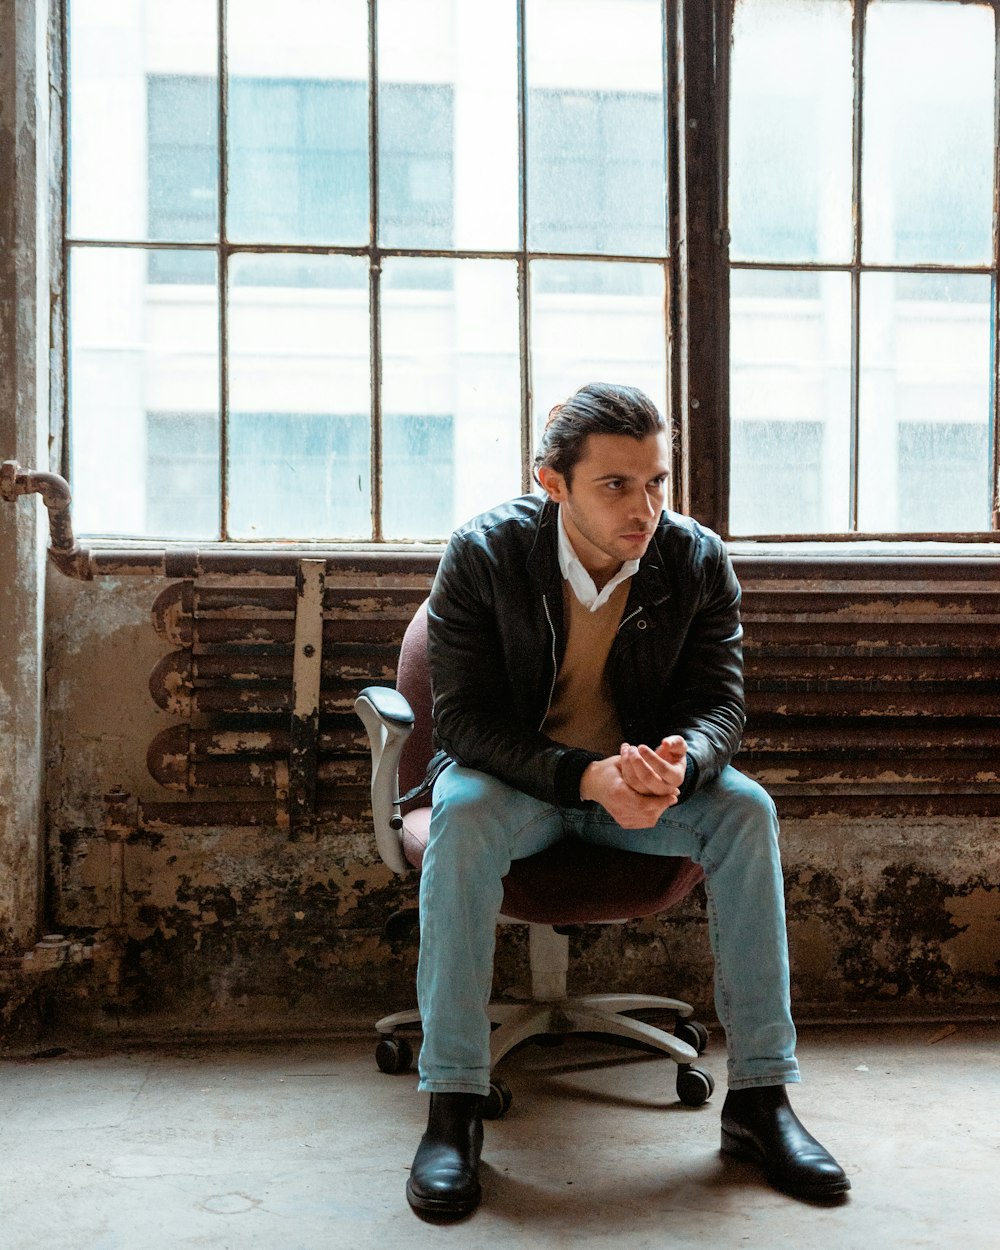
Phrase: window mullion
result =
(374, 274)
(704, 390)
(672, 285)
(523, 281)
(994, 440)
(854, 476)
(222, 270)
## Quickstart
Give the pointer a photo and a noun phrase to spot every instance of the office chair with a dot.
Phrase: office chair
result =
(560, 887)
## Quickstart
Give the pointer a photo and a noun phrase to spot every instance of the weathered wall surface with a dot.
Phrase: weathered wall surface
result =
(253, 930)
(24, 306)
(227, 928)
(891, 916)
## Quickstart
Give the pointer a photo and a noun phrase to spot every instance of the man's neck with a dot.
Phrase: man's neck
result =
(604, 574)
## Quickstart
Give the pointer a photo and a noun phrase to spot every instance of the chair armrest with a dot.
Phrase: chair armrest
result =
(389, 705)
(388, 720)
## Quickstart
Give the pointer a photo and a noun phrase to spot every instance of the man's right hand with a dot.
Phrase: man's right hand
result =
(602, 782)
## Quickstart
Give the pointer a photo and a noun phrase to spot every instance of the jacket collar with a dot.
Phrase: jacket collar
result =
(651, 585)
(543, 558)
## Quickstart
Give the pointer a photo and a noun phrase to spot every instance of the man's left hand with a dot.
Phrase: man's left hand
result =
(655, 772)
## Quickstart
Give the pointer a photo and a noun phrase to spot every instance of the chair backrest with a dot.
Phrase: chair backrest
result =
(413, 681)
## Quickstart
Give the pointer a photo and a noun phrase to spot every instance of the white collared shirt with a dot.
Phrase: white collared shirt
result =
(581, 583)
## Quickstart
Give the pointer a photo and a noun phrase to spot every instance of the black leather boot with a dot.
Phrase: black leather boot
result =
(444, 1178)
(760, 1126)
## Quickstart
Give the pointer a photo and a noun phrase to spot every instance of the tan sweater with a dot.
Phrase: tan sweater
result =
(582, 713)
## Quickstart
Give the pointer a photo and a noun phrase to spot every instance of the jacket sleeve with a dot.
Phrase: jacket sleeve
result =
(474, 716)
(707, 705)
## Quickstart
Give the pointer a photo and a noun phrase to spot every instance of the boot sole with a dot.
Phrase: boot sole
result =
(748, 1152)
(442, 1208)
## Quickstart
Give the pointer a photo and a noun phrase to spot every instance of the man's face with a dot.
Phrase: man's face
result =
(615, 500)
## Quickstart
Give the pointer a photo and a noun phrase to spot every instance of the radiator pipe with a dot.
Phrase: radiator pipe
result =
(64, 551)
(86, 563)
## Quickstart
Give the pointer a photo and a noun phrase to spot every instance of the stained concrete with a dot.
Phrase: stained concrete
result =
(306, 1145)
(24, 362)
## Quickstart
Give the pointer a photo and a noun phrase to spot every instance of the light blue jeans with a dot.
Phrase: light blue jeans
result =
(479, 824)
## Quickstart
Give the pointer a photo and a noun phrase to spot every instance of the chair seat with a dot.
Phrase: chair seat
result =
(576, 882)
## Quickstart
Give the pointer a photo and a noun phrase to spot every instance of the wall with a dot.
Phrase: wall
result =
(24, 311)
(891, 913)
(248, 930)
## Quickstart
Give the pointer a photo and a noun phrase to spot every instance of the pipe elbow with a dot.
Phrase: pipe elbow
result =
(53, 489)
(73, 562)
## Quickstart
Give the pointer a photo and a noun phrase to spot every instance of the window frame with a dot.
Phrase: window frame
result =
(376, 253)
(707, 53)
(696, 48)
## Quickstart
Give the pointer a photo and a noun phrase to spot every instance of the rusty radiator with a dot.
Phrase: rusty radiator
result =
(263, 677)
(873, 686)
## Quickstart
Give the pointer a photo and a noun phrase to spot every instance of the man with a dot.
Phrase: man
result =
(586, 664)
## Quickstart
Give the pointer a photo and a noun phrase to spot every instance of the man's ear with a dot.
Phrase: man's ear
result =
(553, 483)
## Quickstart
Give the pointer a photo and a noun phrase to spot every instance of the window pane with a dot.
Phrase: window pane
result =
(144, 120)
(790, 122)
(790, 400)
(183, 465)
(450, 393)
(298, 121)
(924, 402)
(416, 153)
(299, 395)
(580, 338)
(137, 350)
(928, 133)
(596, 163)
(448, 124)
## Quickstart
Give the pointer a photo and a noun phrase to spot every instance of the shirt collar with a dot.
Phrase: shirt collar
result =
(581, 583)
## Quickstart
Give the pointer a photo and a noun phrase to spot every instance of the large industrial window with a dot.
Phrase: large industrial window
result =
(332, 261)
(864, 266)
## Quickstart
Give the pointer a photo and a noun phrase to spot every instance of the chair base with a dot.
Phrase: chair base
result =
(551, 1012)
(589, 1013)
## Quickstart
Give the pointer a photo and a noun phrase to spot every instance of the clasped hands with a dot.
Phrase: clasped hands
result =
(637, 785)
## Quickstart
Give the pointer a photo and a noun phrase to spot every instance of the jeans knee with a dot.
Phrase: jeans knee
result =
(468, 812)
(749, 808)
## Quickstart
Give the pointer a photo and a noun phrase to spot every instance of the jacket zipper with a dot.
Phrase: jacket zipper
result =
(623, 720)
(555, 667)
(627, 619)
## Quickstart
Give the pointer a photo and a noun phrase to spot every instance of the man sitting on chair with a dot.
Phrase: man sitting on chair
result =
(586, 666)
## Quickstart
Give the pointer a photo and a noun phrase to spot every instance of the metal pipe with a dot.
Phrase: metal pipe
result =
(64, 551)
(419, 563)
(86, 563)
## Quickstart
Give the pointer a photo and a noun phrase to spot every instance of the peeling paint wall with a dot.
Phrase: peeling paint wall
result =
(24, 310)
(251, 930)
(227, 928)
(896, 916)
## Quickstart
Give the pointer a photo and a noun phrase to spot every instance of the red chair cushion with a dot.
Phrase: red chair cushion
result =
(574, 882)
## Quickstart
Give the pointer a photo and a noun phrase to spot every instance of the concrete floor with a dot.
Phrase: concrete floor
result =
(306, 1145)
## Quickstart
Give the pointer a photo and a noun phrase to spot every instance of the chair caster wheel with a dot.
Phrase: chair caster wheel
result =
(693, 1032)
(694, 1085)
(498, 1100)
(394, 1054)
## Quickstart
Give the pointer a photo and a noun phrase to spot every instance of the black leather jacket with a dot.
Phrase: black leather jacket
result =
(496, 638)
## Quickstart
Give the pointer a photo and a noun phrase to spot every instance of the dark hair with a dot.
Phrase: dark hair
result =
(597, 408)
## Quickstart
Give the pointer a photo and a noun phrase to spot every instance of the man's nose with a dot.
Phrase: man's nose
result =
(646, 506)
